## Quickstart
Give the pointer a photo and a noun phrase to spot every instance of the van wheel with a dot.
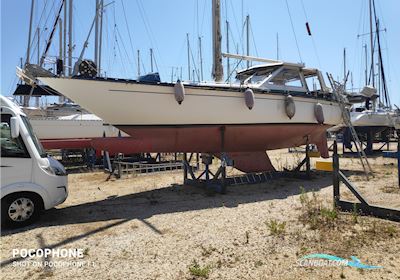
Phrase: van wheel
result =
(20, 209)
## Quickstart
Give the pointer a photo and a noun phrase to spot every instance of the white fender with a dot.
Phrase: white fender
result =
(179, 92)
(249, 98)
(290, 106)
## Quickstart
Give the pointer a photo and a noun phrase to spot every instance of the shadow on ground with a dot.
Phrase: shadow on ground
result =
(172, 199)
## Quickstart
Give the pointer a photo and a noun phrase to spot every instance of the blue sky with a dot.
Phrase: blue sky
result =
(162, 25)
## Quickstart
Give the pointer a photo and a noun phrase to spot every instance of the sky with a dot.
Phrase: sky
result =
(131, 25)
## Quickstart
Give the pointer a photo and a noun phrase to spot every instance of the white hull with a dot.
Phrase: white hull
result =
(371, 118)
(72, 127)
(120, 103)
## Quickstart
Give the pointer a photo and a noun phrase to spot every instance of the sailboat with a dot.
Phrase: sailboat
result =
(270, 107)
(62, 125)
(376, 114)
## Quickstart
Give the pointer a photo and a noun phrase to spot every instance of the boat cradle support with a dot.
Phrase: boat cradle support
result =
(362, 207)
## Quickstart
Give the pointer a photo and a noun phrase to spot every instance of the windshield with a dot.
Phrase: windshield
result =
(35, 140)
(256, 79)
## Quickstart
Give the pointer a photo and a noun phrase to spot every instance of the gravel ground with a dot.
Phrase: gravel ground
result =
(153, 227)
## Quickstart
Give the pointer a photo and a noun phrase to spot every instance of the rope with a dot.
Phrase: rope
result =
(294, 32)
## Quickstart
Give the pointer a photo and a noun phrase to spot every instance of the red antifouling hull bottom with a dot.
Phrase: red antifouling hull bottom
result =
(220, 138)
(245, 144)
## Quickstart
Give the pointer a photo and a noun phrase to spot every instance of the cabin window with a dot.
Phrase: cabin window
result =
(287, 77)
(313, 83)
(256, 79)
(11, 147)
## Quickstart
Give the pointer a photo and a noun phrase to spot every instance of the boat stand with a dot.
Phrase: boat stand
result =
(211, 181)
(219, 181)
(306, 162)
(362, 207)
(296, 172)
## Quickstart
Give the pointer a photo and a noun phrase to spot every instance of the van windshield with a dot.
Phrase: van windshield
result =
(35, 140)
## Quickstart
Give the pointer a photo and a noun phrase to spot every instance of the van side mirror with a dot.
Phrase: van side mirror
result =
(14, 127)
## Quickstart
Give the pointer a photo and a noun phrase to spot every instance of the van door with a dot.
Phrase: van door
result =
(16, 163)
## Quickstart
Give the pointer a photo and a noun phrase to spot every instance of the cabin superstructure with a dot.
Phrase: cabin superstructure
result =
(284, 77)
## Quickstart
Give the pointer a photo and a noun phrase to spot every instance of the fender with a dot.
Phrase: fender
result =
(27, 187)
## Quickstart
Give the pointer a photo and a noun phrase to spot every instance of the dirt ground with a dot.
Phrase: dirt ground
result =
(153, 227)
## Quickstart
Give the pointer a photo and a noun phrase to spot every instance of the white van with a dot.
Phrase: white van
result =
(31, 181)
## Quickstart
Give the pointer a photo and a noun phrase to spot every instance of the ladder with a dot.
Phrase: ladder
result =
(338, 91)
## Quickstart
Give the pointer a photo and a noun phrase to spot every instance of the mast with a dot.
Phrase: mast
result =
(248, 38)
(151, 60)
(217, 71)
(201, 59)
(28, 51)
(228, 66)
(38, 61)
(277, 46)
(65, 37)
(96, 34)
(38, 44)
(366, 64)
(372, 43)
(101, 34)
(344, 67)
(70, 38)
(60, 54)
(188, 54)
(60, 39)
(138, 63)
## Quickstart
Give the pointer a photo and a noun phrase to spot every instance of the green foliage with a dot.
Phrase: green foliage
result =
(314, 213)
(275, 227)
(196, 270)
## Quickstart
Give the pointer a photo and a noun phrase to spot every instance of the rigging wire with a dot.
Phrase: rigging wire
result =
(150, 34)
(294, 32)
(310, 34)
(33, 44)
(236, 24)
(126, 52)
(129, 32)
(194, 63)
(382, 70)
(120, 56)
(253, 38)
